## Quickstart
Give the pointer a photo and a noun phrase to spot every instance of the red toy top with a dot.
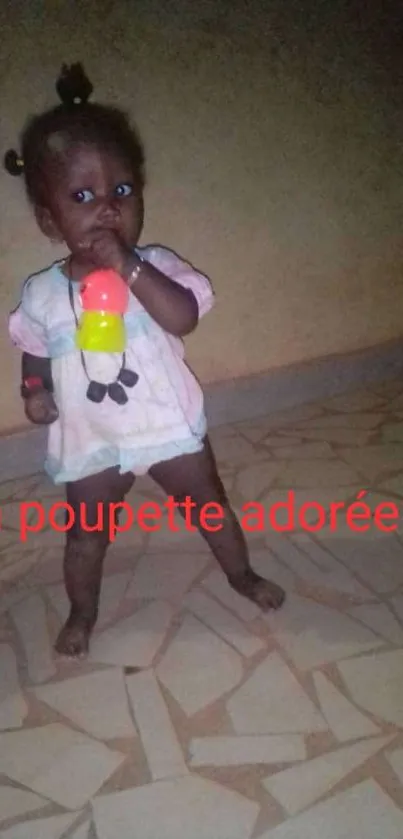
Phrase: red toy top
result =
(104, 291)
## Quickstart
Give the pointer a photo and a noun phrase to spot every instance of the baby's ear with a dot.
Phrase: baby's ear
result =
(47, 225)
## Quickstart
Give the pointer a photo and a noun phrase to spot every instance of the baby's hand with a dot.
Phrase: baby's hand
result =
(106, 250)
(40, 408)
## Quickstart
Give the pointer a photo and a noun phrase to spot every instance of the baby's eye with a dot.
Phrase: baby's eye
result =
(83, 196)
(123, 190)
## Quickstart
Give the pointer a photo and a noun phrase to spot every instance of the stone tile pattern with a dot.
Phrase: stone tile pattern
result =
(196, 715)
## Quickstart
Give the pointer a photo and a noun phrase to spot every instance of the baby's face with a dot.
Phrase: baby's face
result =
(90, 190)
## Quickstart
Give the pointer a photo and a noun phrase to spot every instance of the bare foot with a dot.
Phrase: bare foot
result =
(264, 593)
(73, 639)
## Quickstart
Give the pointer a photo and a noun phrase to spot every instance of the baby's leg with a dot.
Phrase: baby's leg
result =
(84, 554)
(196, 476)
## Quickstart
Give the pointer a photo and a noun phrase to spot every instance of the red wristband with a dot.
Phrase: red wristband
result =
(30, 385)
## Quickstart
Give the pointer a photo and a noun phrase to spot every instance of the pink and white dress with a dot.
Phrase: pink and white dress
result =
(164, 416)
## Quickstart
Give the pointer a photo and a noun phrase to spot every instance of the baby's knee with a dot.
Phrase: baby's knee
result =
(87, 546)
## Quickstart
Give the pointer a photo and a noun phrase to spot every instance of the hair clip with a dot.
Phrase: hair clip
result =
(73, 86)
(13, 163)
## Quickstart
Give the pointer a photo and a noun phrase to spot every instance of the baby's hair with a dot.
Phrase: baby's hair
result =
(75, 121)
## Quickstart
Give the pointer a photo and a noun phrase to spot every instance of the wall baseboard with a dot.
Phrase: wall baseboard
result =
(246, 398)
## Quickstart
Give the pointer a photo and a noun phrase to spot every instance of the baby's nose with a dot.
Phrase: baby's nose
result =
(109, 210)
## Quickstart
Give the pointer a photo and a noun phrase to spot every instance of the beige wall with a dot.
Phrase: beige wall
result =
(278, 178)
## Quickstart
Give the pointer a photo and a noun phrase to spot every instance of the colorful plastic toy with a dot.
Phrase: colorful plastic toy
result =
(104, 297)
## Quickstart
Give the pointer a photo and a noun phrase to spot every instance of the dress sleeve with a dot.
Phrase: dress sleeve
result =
(184, 274)
(26, 324)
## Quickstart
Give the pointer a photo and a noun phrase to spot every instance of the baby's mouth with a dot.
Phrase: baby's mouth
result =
(106, 228)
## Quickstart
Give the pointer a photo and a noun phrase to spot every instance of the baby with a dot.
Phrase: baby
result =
(113, 416)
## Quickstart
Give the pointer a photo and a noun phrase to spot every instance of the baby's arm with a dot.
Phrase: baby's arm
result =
(37, 388)
(28, 333)
(35, 367)
(171, 290)
(170, 304)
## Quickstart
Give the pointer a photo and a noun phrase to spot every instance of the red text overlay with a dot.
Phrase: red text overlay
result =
(281, 517)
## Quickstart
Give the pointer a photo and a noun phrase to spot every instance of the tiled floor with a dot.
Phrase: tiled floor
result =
(195, 716)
